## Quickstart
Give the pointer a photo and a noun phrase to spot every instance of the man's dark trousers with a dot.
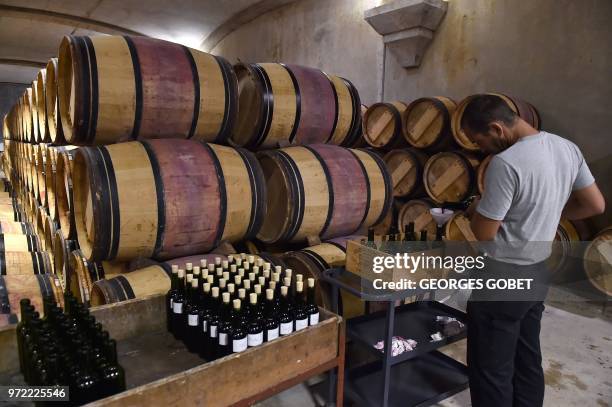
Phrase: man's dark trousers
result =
(504, 357)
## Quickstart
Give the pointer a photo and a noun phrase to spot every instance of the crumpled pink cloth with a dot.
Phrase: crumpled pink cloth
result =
(399, 345)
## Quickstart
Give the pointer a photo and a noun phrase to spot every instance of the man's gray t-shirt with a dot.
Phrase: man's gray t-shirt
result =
(527, 187)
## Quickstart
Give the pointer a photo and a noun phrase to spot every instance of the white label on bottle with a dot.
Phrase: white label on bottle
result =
(239, 345)
(222, 339)
(286, 328)
(301, 324)
(177, 307)
(272, 334)
(314, 319)
(192, 320)
(204, 326)
(256, 339)
(213, 331)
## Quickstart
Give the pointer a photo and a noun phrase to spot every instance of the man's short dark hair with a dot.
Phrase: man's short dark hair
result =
(482, 110)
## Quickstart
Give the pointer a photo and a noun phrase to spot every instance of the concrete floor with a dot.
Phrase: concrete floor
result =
(577, 351)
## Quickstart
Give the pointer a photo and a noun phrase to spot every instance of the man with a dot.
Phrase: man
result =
(533, 180)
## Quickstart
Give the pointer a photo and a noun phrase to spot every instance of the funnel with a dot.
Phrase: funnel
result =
(441, 215)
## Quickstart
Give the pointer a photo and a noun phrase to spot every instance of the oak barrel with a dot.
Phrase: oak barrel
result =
(64, 193)
(15, 228)
(54, 122)
(292, 104)
(20, 262)
(598, 261)
(33, 286)
(322, 190)
(121, 88)
(406, 168)
(383, 125)
(450, 176)
(417, 211)
(164, 198)
(458, 228)
(62, 249)
(427, 123)
(52, 154)
(35, 136)
(313, 260)
(154, 279)
(83, 273)
(523, 109)
(41, 106)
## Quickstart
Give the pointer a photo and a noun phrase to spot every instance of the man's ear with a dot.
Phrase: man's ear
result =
(496, 129)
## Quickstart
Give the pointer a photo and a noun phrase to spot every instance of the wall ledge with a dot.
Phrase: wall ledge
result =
(407, 27)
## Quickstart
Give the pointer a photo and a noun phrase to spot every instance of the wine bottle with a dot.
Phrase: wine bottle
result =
(188, 269)
(246, 284)
(225, 327)
(285, 315)
(206, 305)
(311, 305)
(203, 264)
(169, 294)
(242, 295)
(192, 328)
(85, 385)
(255, 327)
(409, 235)
(178, 299)
(231, 289)
(238, 334)
(217, 261)
(439, 233)
(212, 344)
(371, 243)
(225, 265)
(423, 235)
(271, 323)
(300, 312)
(112, 374)
(26, 310)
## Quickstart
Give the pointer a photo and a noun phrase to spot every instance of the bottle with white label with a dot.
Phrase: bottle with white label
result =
(178, 300)
(300, 312)
(212, 343)
(285, 315)
(192, 329)
(271, 325)
(224, 347)
(238, 334)
(255, 328)
(311, 304)
(171, 291)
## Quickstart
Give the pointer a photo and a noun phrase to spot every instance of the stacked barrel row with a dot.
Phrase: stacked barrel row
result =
(108, 89)
(163, 168)
(432, 162)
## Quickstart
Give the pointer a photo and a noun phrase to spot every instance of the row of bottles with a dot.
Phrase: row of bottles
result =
(409, 235)
(228, 306)
(68, 348)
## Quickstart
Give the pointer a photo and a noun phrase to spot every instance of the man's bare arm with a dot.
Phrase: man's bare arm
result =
(484, 228)
(584, 203)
